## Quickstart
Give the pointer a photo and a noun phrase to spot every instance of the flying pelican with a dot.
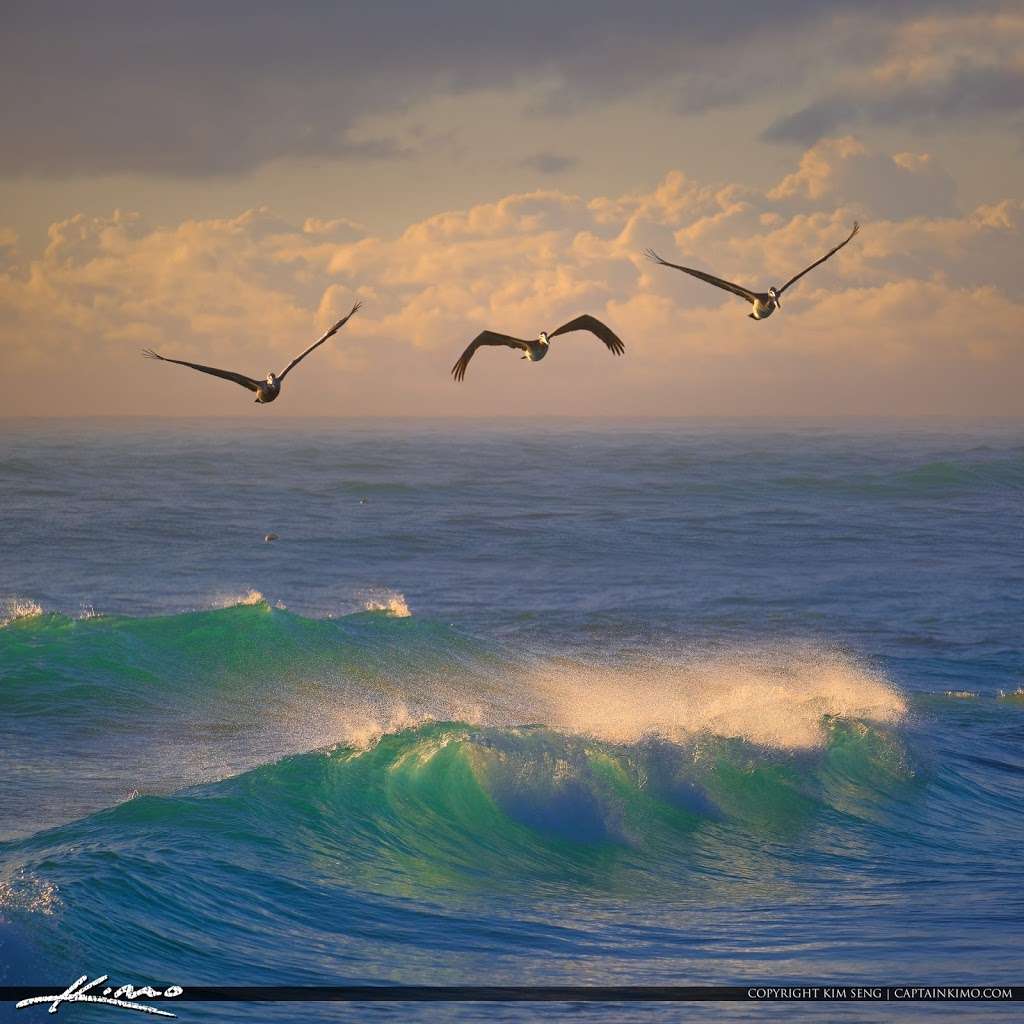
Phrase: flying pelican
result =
(537, 349)
(764, 303)
(266, 390)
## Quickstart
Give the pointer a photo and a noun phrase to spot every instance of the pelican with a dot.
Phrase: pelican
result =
(536, 349)
(268, 389)
(764, 303)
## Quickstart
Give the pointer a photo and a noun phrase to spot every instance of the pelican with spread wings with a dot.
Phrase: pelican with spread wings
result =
(536, 349)
(268, 389)
(764, 303)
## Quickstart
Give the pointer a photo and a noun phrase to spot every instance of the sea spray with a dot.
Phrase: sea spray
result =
(15, 609)
(773, 696)
(388, 601)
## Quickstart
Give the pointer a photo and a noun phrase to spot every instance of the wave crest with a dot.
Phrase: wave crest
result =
(771, 698)
(252, 597)
(16, 608)
(392, 603)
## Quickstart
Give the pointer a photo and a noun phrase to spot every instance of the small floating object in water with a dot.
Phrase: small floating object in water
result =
(1017, 694)
(962, 694)
(269, 538)
(362, 501)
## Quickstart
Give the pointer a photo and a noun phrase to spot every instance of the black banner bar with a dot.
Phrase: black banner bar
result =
(560, 993)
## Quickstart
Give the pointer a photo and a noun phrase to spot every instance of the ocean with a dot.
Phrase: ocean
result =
(684, 702)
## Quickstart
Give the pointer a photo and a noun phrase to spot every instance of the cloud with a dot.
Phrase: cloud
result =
(900, 186)
(923, 313)
(936, 69)
(199, 89)
(550, 163)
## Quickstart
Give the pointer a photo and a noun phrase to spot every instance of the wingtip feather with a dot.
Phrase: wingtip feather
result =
(341, 323)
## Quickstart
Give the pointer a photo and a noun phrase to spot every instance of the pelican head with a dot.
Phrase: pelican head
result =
(773, 292)
(542, 340)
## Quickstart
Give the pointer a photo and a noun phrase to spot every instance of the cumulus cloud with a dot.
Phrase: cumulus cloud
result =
(896, 186)
(921, 314)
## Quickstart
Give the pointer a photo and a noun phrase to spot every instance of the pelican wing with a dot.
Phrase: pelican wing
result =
(485, 338)
(586, 322)
(736, 289)
(238, 378)
(831, 252)
(319, 341)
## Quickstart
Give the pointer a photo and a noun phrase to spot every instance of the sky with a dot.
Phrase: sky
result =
(221, 181)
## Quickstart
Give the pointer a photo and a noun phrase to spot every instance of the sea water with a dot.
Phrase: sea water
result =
(512, 702)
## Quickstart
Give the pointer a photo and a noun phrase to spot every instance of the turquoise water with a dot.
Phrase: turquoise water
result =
(570, 703)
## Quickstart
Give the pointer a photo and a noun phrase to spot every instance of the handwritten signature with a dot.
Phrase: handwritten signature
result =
(79, 992)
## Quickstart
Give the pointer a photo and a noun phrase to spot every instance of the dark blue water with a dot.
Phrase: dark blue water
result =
(554, 702)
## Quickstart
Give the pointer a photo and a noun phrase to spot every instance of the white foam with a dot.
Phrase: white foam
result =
(771, 698)
(781, 699)
(363, 730)
(16, 608)
(392, 602)
(27, 893)
(251, 597)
